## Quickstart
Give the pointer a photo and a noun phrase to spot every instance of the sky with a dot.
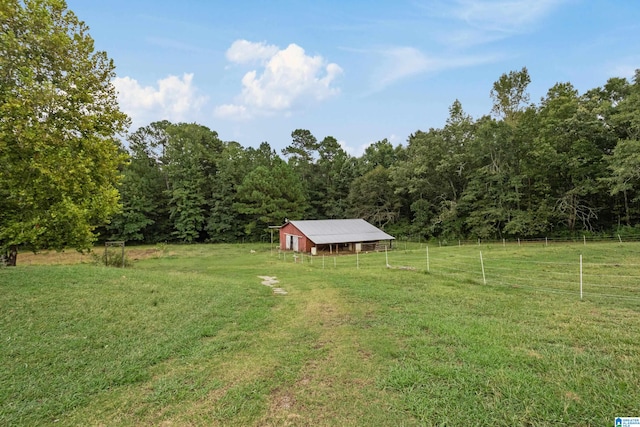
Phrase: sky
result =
(360, 71)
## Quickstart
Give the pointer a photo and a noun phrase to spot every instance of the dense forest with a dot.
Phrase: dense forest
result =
(569, 164)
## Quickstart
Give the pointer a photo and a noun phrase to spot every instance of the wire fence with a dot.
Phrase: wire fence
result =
(606, 270)
(403, 241)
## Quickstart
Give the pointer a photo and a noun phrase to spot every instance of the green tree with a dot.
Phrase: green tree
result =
(269, 195)
(435, 173)
(624, 164)
(264, 155)
(574, 140)
(372, 198)
(301, 155)
(191, 164)
(335, 172)
(498, 198)
(145, 215)
(623, 115)
(59, 119)
(225, 223)
(302, 150)
(627, 115)
(509, 94)
(380, 153)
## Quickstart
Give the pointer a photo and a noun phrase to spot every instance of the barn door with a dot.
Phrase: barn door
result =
(292, 242)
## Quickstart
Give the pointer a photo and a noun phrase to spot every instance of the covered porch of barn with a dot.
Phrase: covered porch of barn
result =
(350, 247)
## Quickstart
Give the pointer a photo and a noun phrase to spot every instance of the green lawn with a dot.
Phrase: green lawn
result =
(192, 337)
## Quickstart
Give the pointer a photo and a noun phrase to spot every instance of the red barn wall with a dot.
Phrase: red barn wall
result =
(304, 244)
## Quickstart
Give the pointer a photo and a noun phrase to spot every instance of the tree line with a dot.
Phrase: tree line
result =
(567, 164)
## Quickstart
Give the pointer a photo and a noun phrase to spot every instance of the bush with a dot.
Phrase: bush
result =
(112, 258)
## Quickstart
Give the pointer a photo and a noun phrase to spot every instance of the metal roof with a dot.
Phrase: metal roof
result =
(324, 231)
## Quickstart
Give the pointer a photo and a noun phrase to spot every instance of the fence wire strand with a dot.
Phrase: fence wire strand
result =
(503, 269)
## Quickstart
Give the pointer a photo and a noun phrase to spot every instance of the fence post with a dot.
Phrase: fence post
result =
(580, 277)
(386, 256)
(484, 278)
(357, 261)
(428, 259)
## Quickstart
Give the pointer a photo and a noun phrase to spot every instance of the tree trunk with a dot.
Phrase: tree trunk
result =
(10, 257)
(626, 209)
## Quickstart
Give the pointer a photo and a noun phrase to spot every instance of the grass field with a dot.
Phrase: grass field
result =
(190, 336)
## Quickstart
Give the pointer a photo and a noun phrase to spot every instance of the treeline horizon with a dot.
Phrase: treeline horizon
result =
(568, 165)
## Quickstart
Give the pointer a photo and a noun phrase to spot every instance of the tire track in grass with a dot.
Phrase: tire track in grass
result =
(338, 386)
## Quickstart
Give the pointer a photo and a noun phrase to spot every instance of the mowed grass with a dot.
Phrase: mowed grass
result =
(190, 336)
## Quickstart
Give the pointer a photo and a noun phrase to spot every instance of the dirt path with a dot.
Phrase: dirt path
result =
(341, 371)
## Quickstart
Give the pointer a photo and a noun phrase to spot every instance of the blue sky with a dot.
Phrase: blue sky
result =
(359, 71)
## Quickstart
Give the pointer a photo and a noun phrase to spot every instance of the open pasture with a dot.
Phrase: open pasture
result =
(190, 336)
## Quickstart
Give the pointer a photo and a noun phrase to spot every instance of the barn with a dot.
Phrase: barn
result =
(332, 236)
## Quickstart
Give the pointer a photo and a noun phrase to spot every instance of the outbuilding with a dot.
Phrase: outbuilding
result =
(332, 236)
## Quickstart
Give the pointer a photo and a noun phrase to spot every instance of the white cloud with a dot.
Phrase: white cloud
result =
(243, 51)
(403, 62)
(174, 98)
(472, 23)
(286, 79)
(231, 111)
(476, 22)
(510, 16)
(469, 37)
